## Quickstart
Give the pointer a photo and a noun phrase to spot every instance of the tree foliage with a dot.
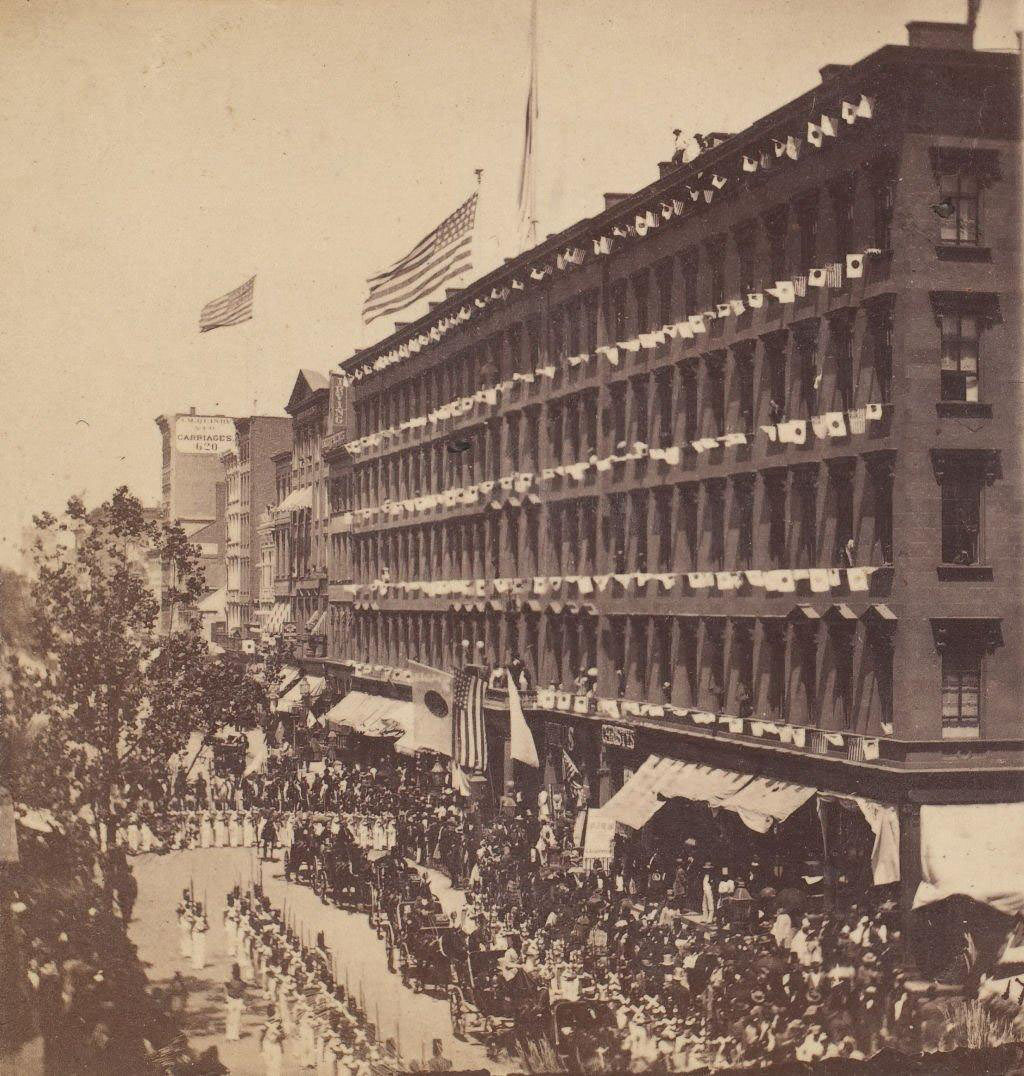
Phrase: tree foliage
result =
(111, 699)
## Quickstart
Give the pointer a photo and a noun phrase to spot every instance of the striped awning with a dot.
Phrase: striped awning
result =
(277, 618)
(377, 716)
(297, 500)
(760, 802)
(295, 696)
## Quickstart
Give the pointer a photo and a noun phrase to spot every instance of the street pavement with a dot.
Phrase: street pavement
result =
(413, 1020)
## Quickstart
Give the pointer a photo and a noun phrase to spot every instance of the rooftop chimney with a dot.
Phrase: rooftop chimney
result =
(940, 35)
(831, 70)
(613, 199)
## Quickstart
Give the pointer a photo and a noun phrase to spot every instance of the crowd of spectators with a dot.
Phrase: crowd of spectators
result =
(695, 964)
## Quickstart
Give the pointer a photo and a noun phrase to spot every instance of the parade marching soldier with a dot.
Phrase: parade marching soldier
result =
(235, 991)
(200, 928)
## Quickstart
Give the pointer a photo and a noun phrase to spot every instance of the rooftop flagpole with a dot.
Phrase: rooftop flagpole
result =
(528, 168)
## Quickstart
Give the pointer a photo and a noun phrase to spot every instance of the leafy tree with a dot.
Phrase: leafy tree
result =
(111, 699)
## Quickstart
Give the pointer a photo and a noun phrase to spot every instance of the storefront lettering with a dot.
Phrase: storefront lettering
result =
(617, 736)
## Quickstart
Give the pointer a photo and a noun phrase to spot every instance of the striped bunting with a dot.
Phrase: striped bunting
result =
(468, 709)
(438, 257)
(229, 309)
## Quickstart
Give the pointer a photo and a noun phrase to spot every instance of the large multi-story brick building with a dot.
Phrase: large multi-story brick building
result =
(251, 489)
(747, 443)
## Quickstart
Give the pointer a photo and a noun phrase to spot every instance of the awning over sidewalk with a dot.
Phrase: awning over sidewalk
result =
(286, 678)
(346, 713)
(294, 697)
(975, 850)
(377, 716)
(757, 800)
(762, 802)
(660, 778)
(297, 500)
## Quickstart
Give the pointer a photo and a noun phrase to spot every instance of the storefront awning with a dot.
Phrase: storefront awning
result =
(762, 802)
(377, 716)
(294, 696)
(286, 678)
(276, 619)
(660, 778)
(297, 500)
(975, 850)
(346, 713)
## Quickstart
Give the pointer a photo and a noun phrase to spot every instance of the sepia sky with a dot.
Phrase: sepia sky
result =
(156, 153)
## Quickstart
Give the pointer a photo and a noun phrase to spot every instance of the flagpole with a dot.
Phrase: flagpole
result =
(528, 170)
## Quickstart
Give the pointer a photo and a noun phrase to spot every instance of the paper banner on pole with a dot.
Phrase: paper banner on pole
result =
(432, 708)
(599, 836)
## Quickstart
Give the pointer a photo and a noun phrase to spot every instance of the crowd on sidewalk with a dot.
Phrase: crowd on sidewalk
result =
(696, 965)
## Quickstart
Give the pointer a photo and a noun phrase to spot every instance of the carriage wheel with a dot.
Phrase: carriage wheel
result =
(390, 950)
(455, 1011)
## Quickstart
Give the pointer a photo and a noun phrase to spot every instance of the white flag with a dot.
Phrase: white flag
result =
(521, 745)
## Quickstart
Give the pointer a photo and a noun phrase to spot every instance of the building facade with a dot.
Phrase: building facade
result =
(251, 490)
(747, 444)
(301, 514)
(191, 475)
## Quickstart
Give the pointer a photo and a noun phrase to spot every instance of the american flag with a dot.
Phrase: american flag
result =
(570, 771)
(229, 309)
(468, 711)
(447, 252)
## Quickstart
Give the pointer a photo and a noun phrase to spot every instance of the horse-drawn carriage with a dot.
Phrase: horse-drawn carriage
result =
(487, 1003)
(580, 1030)
(342, 875)
(300, 859)
(425, 953)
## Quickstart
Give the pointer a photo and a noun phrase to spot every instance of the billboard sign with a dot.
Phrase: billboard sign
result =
(204, 434)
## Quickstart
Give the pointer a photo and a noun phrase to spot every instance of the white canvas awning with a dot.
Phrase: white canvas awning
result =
(660, 778)
(346, 712)
(762, 802)
(975, 850)
(297, 500)
(294, 696)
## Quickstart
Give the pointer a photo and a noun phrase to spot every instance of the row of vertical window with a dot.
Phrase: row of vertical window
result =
(791, 375)
(807, 515)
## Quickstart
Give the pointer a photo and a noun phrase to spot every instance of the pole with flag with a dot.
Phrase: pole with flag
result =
(521, 743)
(468, 720)
(527, 168)
(440, 256)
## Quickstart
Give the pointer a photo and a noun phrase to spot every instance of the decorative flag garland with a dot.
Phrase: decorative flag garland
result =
(814, 135)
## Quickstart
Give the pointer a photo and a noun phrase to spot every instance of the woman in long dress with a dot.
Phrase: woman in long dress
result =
(234, 830)
(220, 829)
(205, 830)
(707, 907)
(248, 829)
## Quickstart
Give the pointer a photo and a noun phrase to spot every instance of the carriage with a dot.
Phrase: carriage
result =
(581, 1028)
(477, 1004)
(341, 875)
(300, 860)
(425, 954)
